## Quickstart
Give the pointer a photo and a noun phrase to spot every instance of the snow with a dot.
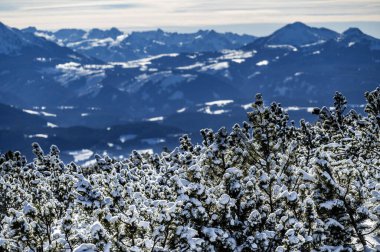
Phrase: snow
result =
(51, 125)
(210, 233)
(219, 103)
(155, 119)
(306, 176)
(148, 151)
(239, 61)
(81, 155)
(143, 63)
(319, 42)
(246, 106)
(224, 199)
(41, 59)
(208, 110)
(262, 63)
(181, 110)
(89, 163)
(144, 224)
(292, 196)
(71, 71)
(236, 56)
(333, 223)
(28, 209)
(86, 247)
(45, 36)
(95, 229)
(127, 137)
(32, 112)
(38, 136)
(48, 114)
(293, 108)
(43, 113)
(189, 67)
(159, 42)
(289, 47)
(330, 204)
(153, 141)
(216, 67)
(91, 43)
(205, 195)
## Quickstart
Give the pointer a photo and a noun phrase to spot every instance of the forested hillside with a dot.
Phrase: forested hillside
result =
(264, 185)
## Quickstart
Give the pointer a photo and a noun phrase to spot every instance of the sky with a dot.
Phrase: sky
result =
(258, 17)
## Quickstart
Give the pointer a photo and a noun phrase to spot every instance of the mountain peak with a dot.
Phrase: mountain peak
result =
(3, 27)
(298, 34)
(30, 29)
(355, 35)
(96, 33)
(297, 25)
(353, 32)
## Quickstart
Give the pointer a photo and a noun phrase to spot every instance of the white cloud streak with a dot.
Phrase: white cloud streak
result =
(181, 13)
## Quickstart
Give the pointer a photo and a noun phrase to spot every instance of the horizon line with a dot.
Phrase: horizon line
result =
(339, 26)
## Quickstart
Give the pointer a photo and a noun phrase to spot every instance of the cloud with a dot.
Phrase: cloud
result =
(185, 13)
(8, 7)
(84, 5)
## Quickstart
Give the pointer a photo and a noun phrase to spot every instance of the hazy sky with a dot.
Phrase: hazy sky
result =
(250, 16)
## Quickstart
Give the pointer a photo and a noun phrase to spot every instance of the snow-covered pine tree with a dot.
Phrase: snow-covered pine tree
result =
(341, 191)
(265, 186)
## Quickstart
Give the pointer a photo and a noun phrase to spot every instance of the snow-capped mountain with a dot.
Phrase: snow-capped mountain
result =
(113, 45)
(15, 42)
(160, 85)
(28, 66)
(188, 89)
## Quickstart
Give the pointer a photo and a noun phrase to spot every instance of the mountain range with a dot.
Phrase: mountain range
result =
(113, 45)
(99, 78)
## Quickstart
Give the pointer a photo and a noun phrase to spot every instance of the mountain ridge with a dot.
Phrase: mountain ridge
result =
(161, 84)
(114, 45)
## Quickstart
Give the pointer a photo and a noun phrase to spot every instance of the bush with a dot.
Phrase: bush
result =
(265, 186)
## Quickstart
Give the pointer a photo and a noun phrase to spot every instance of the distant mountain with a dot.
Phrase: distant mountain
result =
(112, 33)
(176, 83)
(118, 139)
(296, 34)
(354, 36)
(15, 119)
(11, 41)
(14, 42)
(113, 45)
(28, 68)
(304, 73)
